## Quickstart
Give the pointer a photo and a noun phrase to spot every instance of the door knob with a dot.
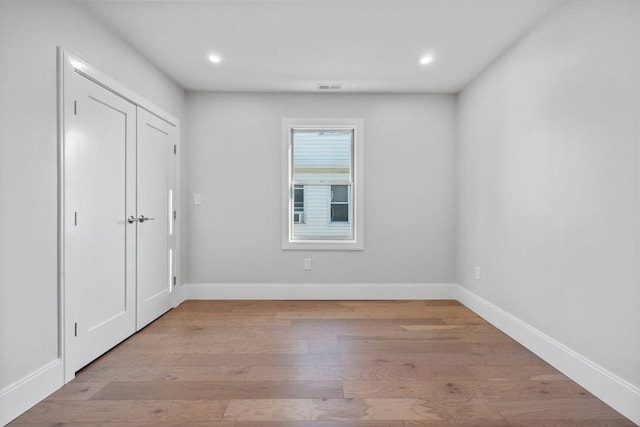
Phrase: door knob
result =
(132, 219)
(143, 218)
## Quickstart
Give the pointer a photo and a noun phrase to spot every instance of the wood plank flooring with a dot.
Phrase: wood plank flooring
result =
(321, 364)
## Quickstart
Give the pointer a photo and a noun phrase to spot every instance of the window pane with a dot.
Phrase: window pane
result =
(339, 193)
(322, 218)
(322, 155)
(339, 213)
(298, 198)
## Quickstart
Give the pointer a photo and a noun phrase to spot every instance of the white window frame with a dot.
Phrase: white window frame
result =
(357, 194)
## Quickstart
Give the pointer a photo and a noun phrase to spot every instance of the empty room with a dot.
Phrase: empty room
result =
(322, 213)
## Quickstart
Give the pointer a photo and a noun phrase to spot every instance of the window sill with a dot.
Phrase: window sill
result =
(323, 245)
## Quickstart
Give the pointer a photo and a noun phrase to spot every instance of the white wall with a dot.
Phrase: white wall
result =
(549, 197)
(234, 162)
(29, 34)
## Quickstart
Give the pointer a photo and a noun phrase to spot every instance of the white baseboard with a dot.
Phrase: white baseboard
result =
(621, 395)
(351, 291)
(26, 392)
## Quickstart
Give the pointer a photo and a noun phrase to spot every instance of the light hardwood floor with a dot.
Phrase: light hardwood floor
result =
(321, 364)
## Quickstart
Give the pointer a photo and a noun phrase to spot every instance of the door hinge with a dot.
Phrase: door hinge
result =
(75, 219)
(175, 148)
(75, 329)
(75, 108)
(174, 280)
(175, 215)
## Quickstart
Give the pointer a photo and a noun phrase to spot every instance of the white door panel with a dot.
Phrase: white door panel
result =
(99, 194)
(155, 237)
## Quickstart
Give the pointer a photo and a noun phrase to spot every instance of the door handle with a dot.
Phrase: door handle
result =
(143, 218)
(132, 219)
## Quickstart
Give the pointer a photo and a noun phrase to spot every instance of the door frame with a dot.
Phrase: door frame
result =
(67, 65)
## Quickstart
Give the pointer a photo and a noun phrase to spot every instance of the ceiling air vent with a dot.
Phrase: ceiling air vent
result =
(329, 86)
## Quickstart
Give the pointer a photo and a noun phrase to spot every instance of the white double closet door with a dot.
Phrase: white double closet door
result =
(119, 237)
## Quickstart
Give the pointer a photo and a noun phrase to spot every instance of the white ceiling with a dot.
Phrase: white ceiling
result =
(291, 45)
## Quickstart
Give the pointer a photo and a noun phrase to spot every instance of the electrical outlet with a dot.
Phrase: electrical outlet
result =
(197, 199)
(477, 273)
(307, 263)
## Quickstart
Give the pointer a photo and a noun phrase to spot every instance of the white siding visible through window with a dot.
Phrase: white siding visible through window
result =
(323, 150)
(318, 215)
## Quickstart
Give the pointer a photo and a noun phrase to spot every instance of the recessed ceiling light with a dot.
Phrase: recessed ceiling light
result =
(427, 59)
(215, 59)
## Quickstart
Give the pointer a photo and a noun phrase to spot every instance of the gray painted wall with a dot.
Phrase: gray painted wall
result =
(549, 197)
(29, 34)
(234, 162)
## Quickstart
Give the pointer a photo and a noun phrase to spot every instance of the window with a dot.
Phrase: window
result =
(322, 184)
(340, 203)
(298, 204)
